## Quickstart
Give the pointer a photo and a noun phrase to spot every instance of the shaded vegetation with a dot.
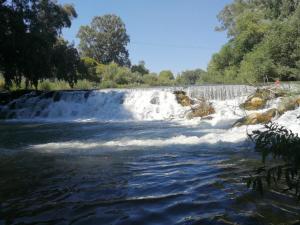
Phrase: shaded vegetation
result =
(31, 47)
(280, 151)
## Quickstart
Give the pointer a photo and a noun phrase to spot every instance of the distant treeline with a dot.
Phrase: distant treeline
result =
(264, 42)
(264, 45)
(33, 51)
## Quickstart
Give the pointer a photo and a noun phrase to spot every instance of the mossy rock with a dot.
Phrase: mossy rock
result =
(258, 100)
(183, 99)
(288, 104)
(257, 118)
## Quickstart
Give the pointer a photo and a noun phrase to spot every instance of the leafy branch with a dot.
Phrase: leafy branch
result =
(283, 170)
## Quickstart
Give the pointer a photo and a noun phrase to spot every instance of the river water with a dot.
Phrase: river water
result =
(118, 157)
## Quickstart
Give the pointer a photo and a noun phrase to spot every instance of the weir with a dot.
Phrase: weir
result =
(115, 104)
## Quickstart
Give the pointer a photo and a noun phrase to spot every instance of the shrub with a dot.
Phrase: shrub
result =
(283, 170)
(2, 83)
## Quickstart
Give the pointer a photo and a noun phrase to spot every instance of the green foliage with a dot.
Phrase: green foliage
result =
(114, 75)
(140, 68)
(284, 148)
(37, 24)
(2, 83)
(150, 79)
(105, 40)
(166, 77)
(67, 63)
(190, 77)
(48, 85)
(92, 70)
(264, 44)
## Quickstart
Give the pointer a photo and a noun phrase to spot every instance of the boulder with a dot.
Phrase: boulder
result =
(258, 100)
(203, 110)
(257, 118)
(183, 99)
(155, 101)
(298, 101)
(287, 104)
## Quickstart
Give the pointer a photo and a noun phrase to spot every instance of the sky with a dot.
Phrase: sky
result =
(172, 35)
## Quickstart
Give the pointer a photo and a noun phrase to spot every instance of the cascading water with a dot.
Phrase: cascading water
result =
(114, 105)
(96, 105)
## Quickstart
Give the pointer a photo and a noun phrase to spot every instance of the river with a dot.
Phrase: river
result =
(131, 157)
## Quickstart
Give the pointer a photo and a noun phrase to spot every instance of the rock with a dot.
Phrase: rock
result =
(287, 104)
(183, 99)
(207, 118)
(155, 101)
(256, 118)
(203, 109)
(258, 100)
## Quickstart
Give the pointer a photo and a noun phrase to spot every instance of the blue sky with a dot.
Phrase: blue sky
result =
(166, 34)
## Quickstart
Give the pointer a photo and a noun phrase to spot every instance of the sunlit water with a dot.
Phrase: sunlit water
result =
(141, 167)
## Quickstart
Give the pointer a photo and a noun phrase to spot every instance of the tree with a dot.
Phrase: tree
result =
(34, 23)
(92, 70)
(150, 79)
(140, 68)
(190, 77)
(264, 42)
(114, 75)
(105, 40)
(166, 77)
(67, 62)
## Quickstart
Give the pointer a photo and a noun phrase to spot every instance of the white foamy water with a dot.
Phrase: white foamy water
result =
(217, 138)
(145, 105)
(114, 105)
(141, 105)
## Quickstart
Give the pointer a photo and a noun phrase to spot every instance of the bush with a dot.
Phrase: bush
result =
(283, 170)
(48, 85)
(2, 83)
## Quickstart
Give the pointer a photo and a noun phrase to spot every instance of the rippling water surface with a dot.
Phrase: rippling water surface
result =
(110, 173)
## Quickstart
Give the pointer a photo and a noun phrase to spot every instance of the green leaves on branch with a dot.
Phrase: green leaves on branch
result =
(283, 171)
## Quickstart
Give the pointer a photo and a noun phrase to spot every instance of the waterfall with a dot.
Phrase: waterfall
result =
(219, 92)
(114, 105)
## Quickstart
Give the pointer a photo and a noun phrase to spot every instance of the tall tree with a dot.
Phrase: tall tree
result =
(140, 68)
(105, 40)
(31, 29)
